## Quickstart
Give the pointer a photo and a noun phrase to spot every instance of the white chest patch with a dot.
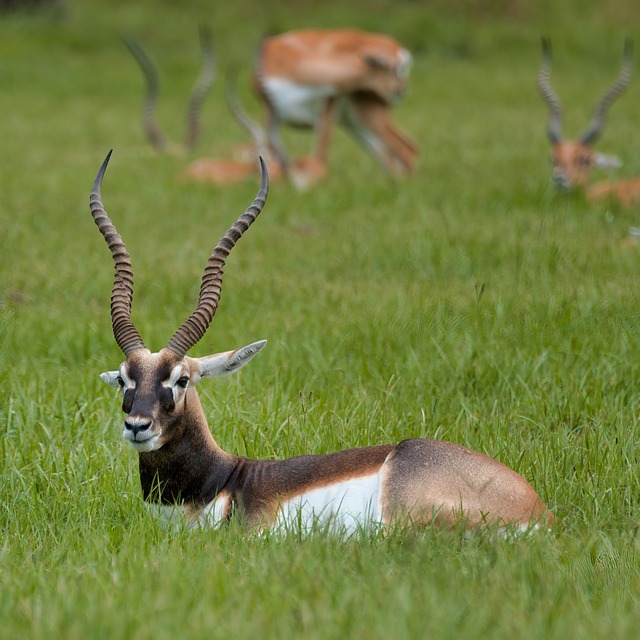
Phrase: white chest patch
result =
(167, 515)
(212, 516)
(346, 506)
(297, 103)
(215, 513)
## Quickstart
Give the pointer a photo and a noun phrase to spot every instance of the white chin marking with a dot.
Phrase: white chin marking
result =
(144, 446)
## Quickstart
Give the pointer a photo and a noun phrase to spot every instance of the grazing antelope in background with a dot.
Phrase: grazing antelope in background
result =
(573, 160)
(194, 106)
(314, 78)
(181, 465)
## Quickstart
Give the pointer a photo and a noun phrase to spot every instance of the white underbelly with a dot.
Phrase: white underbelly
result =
(297, 104)
(348, 506)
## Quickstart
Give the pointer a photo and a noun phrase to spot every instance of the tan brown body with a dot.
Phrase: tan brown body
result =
(217, 171)
(417, 481)
(348, 60)
(625, 192)
(304, 172)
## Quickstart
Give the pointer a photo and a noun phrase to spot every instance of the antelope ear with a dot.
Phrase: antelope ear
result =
(111, 378)
(221, 364)
(603, 161)
(377, 62)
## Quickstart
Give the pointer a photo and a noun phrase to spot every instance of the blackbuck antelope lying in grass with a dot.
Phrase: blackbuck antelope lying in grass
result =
(194, 106)
(181, 465)
(574, 159)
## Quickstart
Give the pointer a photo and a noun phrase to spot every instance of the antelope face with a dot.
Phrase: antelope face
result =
(387, 75)
(573, 161)
(155, 388)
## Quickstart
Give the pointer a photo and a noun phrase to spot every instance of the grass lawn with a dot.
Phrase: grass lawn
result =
(469, 303)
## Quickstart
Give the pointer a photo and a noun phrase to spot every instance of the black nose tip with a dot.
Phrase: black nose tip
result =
(137, 426)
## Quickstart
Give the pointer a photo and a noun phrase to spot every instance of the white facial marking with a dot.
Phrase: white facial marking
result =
(129, 383)
(143, 446)
(177, 372)
(344, 506)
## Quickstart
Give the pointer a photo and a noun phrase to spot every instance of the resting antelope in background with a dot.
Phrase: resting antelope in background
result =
(181, 465)
(199, 92)
(315, 78)
(303, 172)
(573, 160)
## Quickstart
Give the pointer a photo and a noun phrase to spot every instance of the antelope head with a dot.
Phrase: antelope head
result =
(387, 69)
(159, 395)
(573, 160)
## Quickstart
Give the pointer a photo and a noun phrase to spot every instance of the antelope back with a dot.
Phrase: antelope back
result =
(348, 59)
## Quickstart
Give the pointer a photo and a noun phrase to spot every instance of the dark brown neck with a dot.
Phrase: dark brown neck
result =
(190, 469)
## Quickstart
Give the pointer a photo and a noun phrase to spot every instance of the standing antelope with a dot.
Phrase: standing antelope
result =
(573, 160)
(313, 78)
(194, 106)
(181, 465)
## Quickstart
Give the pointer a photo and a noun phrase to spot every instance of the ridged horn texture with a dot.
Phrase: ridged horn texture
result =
(195, 326)
(200, 90)
(554, 126)
(196, 100)
(125, 333)
(597, 123)
(148, 68)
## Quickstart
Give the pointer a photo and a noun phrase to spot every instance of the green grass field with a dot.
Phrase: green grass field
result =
(468, 303)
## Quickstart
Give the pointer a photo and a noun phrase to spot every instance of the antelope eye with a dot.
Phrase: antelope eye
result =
(183, 382)
(120, 381)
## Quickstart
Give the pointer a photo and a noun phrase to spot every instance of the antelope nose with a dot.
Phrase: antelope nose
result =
(136, 425)
(561, 181)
